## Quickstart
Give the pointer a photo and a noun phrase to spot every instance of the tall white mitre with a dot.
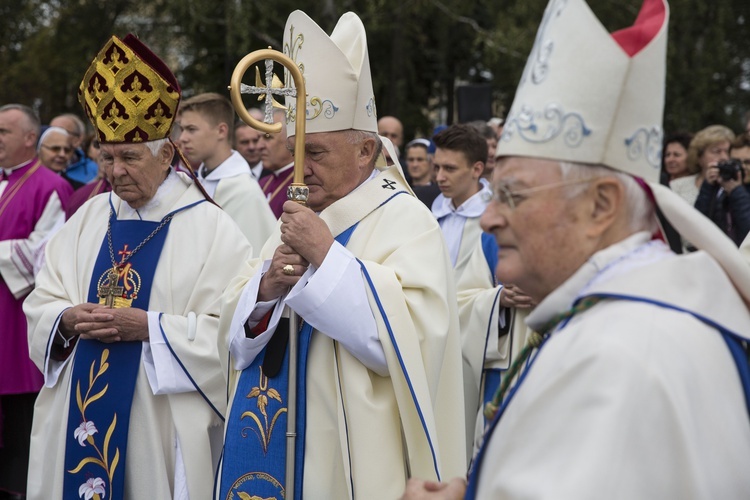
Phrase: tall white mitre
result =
(337, 74)
(588, 96)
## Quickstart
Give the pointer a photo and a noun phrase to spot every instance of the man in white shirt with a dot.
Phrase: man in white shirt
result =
(460, 155)
(207, 122)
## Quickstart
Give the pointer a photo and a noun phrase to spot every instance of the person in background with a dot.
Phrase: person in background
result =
(674, 156)
(82, 168)
(32, 202)
(207, 122)
(55, 150)
(246, 142)
(707, 148)
(421, 171)
(724, 196)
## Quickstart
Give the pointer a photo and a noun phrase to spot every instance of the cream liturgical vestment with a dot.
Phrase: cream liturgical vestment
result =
(637, 396)
(485, 351)
(367, 433)
(176, 419)
(234, 188)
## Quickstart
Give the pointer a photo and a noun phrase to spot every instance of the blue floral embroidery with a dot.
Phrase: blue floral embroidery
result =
(371, 110)
(539, 127)
(646, 143)
(537, 66)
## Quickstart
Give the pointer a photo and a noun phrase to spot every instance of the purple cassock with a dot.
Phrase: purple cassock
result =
(84, 194)
(22, 203)
(274, 187)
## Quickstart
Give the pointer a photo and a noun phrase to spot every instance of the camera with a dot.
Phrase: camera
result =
(728, 169)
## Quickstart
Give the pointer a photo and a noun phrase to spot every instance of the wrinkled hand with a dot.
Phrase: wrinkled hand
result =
(305, 232)
(512, 296)
(93, 321)
(416, 489)
(275, 282)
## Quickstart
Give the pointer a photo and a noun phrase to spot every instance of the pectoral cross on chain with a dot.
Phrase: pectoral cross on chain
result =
(268, 91)
(111, 291)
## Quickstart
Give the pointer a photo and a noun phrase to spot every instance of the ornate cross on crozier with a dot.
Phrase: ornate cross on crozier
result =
(268, 91)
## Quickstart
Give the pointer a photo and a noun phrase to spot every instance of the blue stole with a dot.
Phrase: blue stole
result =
(104, 375)
(734, 344)
(254, 458)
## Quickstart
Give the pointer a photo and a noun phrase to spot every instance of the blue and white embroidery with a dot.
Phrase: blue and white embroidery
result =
(646, 143)
(538, 65)
(539, 127)
(371, 110)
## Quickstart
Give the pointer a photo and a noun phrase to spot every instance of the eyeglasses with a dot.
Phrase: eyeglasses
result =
(512, 199)
(58, 149)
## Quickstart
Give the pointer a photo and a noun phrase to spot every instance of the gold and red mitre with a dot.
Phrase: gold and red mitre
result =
(128, 93)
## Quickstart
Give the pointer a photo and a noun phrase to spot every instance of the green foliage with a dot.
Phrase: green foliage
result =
(419, 49)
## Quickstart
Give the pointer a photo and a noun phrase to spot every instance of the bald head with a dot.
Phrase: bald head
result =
(73, 125)
(391, 127)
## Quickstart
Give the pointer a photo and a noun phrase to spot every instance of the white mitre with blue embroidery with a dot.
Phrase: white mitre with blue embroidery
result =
(337, 74)
(589, 96)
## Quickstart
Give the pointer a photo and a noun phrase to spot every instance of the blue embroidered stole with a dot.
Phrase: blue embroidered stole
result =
(254, 458)
(734, 344)
(104, 375)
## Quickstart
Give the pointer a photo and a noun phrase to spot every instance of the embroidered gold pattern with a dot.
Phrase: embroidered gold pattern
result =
(264, 429)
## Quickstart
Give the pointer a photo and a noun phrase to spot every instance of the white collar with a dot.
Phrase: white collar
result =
(233, 166)
(473, 207)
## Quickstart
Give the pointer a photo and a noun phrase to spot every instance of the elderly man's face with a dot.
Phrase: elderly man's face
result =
(56, 151)
(542, 239)
(134, 173)
(334, 166)
(246, 143)
(16, 138)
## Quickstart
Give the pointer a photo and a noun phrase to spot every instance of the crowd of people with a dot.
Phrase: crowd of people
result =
(493, 311)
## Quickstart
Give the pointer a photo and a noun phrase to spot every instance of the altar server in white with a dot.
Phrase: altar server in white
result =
(207, 124)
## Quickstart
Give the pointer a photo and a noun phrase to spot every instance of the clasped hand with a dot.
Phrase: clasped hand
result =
(306, 240)
(94, 321)
(512, 296)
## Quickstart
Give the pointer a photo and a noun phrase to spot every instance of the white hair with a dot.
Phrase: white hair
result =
(155, 146)
(640, 209)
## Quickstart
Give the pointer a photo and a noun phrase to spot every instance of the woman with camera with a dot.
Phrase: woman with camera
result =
(723, 195)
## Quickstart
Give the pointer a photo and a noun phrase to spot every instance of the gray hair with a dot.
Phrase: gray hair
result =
(77, 122)
(34, 122)
(641, 211)
(155, 146)
(357, 136)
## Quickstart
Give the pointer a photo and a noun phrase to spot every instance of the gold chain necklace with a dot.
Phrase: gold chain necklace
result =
(109, 291)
